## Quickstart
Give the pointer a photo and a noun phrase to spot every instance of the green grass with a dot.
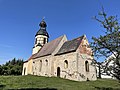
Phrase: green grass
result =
(53, 83)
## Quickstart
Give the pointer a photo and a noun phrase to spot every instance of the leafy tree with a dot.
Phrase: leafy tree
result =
(0, 69)
(109, 43)
(13, 67)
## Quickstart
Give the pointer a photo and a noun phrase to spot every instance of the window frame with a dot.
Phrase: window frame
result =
(87, 66)
(65, 64)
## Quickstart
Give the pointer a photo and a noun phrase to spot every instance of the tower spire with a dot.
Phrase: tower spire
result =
(43, 18)
(41, 36)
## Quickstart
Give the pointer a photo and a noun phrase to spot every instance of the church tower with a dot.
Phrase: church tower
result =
(41, 37)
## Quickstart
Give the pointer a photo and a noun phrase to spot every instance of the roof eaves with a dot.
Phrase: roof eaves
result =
(41, 56)
(64, 52)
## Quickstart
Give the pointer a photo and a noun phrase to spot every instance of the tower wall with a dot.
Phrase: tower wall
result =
(41, 37)
(40, 40)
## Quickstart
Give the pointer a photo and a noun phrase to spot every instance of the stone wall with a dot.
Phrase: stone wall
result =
(29, 70)
(43, 66)
(70, 65)
(83, 74)
(66, 72)
(76, 67)
(25, 68)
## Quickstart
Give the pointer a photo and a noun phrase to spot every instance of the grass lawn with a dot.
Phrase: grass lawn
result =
(53, 83)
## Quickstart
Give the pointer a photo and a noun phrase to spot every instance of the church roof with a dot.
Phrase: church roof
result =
(70, 46)
(49, 48)
(31, 57)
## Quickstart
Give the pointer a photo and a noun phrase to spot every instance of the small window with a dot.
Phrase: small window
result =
(47, 40)
(40, 67)
(65, 64)
(46, 62)
(44, 41)
(36, 41)
(86, 66)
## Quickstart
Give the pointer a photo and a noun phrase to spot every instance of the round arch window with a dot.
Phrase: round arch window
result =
(65, 64)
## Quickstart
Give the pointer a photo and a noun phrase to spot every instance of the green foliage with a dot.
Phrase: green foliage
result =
(54, 83)
(109, 43)
(13, 67)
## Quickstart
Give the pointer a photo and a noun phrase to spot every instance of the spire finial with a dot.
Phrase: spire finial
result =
(42, 23)
(43, 18)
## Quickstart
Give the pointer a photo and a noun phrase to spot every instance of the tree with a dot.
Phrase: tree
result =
(99, 67)
(13, 67)
(109, 43)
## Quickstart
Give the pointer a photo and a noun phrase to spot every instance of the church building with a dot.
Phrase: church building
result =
(69, 59)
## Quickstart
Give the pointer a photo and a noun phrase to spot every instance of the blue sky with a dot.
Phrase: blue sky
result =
(19, 22)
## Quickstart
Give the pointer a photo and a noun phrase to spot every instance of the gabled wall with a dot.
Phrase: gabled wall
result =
(85, 55)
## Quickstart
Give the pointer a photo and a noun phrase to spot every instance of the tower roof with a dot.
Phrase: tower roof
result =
(42, 30)
(43, 23)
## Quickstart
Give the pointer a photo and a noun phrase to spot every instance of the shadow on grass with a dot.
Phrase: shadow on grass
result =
(106, 88)
(34, 89)
(2, 86)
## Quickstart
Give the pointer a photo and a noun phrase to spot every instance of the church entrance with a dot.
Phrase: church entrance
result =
(58, 71)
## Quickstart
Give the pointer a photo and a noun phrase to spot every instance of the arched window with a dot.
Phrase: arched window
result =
(47, 40)
(36, 41)
(44, 40)
(40, 65)
(65, 64)
(33, 66)
(86, 66)
(46, 62)
(58, 71)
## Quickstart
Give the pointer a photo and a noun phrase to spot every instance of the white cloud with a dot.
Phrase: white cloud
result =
(5, 46)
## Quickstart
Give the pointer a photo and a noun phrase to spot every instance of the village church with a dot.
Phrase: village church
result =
(69, 59)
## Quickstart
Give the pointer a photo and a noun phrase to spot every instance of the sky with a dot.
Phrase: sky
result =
(19, 22)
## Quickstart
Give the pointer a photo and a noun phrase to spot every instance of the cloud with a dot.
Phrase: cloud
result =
(6, 46)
